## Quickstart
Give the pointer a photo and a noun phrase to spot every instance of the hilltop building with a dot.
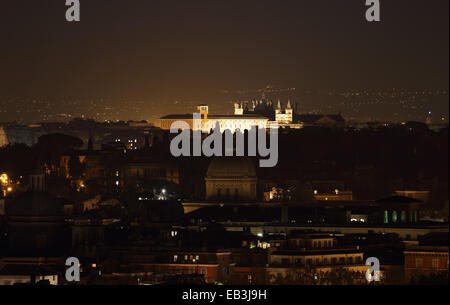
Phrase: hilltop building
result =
(254, 113)
(208, 121)
(287, 116)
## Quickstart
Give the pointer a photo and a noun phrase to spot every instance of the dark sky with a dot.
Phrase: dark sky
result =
(192, 49)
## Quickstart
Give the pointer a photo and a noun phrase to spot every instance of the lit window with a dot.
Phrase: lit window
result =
(419, 262)
(435, 263)
(394, 216)
(403, 216)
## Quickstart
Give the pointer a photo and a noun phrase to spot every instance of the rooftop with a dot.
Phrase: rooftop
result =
(217, 116)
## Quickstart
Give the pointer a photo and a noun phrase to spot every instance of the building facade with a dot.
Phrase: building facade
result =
(425, 261)
(209, 122)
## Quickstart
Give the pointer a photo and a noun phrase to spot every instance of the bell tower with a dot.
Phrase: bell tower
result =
(289, 112)
(203, 109)
(238, 109)
(278, 109)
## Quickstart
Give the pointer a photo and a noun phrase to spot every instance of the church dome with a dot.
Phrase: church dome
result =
(230, 167)
(36, 204)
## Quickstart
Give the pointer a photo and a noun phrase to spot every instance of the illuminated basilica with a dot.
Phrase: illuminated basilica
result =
(246, 115)
(208, 122)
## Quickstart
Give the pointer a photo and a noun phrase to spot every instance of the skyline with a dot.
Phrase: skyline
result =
(393, 105)
(163, 52)
(234, 147)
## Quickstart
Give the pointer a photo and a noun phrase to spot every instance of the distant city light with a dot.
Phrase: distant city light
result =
(4, 178)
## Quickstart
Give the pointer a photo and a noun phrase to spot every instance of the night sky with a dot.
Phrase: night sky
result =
(194, 49)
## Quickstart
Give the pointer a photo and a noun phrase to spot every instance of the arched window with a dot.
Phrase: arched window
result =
(403, 216)
(394, 216)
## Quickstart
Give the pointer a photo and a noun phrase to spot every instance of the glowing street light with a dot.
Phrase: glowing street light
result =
(4, 178)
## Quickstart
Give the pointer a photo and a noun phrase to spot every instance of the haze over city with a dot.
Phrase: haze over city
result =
(224, 150)
(144, 60)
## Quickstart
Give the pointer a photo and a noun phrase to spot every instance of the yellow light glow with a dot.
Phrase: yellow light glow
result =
(4, 178)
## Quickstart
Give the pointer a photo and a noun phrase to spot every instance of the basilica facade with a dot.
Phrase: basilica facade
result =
(208, 122)
(260, 113)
